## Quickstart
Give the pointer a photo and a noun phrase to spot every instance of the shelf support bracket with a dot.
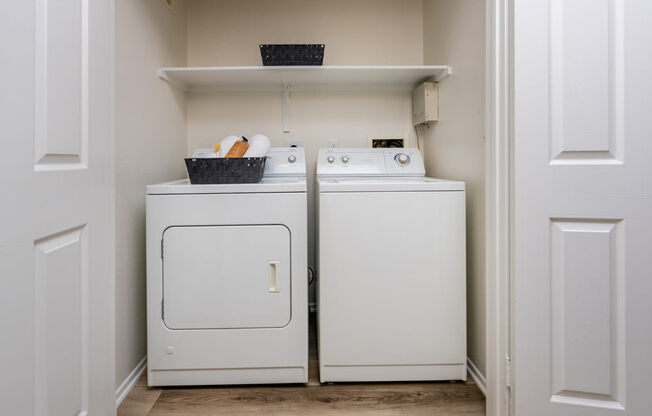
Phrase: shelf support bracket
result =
(164, 76)
(286, 108)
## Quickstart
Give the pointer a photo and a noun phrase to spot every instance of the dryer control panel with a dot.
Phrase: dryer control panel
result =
(370, 162)
(285, 161)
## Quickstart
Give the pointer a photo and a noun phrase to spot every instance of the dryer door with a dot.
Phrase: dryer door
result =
(219, 277)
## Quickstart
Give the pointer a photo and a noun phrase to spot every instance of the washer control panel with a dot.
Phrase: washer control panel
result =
(369, 162)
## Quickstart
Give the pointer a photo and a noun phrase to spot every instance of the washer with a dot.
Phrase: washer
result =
(392, 268)
(227, 279)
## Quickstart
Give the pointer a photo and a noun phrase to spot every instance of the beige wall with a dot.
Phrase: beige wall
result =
(365, 32)
(150, 146)
(454, 146)
(360, 32)
(158, 124)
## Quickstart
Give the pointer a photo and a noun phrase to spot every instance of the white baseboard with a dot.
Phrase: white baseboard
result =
(477, 376)
(129, 382)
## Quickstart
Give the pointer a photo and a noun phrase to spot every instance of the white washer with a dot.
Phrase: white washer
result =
(391, 268)
(227, 279)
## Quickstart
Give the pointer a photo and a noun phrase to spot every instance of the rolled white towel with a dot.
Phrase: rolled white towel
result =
(226, 144)
(259, 146)
(204, 153)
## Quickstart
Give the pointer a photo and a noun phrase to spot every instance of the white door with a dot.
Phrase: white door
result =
(219, 277)
(56, 238)
(582, 207)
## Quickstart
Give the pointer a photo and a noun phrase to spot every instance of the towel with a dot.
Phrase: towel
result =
(259, 146)
(203, 153)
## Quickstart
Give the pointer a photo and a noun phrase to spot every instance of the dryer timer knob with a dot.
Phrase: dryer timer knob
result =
(345, 159)
(292, 159)
(330, 159)
(402, 158)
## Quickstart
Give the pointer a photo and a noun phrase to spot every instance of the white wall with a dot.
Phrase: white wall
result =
(454, 35)
(150, 146)
(365, 32)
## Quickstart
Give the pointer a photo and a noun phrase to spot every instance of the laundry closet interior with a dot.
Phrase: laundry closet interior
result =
(163, 112)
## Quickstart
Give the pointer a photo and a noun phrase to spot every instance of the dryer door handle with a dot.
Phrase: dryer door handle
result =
(272, 276)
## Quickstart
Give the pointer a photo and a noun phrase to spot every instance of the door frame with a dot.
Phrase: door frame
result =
(498, 208)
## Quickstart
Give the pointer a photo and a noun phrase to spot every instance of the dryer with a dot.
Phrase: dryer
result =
(227, 279)
(391, 268)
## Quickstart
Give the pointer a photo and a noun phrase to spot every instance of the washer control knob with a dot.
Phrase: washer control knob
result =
(402, 159)
(292, 159)
(345, 159)
(330, 159)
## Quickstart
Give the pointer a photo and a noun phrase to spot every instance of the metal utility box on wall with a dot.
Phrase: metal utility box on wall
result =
(425, 103)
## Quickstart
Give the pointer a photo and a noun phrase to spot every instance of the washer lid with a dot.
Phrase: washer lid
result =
(387, 184)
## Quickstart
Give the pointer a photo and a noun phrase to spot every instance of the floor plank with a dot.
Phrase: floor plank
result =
(140, 400)
(436, 398)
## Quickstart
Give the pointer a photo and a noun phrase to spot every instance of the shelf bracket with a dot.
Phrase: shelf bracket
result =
(164, 76)
(286, 108)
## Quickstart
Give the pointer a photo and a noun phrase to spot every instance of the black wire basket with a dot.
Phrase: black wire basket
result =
(275, 55)
(222, 170)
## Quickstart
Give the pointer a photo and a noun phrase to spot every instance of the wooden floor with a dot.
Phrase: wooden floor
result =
(313, 399)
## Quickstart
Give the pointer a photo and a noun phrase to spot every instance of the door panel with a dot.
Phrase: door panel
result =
(60, 324)
(586, 61)
(582, 207)
(220, 277)
(61, 70)
(586, 285)
(57, 240)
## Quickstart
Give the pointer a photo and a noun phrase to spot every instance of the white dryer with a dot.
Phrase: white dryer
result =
(227, 279)
(391, 268)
